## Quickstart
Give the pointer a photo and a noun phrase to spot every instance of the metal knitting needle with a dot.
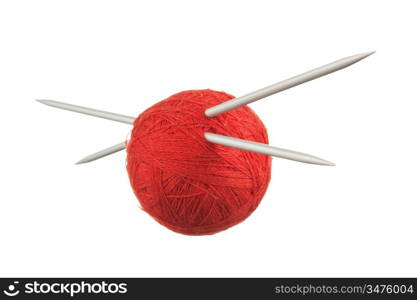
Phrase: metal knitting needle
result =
(265, 149)
(102, 153)
(234, 143)
(285, 84)
(89, 111)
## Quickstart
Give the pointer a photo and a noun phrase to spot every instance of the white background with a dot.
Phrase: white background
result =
(355, 219)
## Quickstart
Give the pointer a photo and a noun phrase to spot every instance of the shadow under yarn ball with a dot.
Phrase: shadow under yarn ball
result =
(186, 183)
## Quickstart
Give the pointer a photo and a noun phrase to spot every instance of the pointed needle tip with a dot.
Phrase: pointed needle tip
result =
(366, 54)
(44, 101)
(319, 161)
(82, 161)
(327, 163)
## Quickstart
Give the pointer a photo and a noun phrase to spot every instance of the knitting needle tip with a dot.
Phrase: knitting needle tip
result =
(46, 102)
(325, 163)
(82, 161)
(85, 160)
(363, 55)
(370, 53)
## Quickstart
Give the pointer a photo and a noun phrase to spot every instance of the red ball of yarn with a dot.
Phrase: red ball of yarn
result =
(183, 181)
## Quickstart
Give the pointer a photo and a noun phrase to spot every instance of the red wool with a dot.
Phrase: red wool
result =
(186, 183)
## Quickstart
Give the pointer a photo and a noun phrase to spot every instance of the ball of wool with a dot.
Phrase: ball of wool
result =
(186, 183)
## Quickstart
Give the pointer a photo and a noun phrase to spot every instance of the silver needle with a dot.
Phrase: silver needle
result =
(285, 84)
(265, 149)
(89, 111)
(102, 153)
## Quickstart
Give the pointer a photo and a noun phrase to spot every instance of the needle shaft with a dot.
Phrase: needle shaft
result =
(102, 153)
(265, 149)
(89, 111)
(285, 84)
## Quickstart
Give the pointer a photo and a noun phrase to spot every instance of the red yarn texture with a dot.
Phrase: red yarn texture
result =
(183, 181)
